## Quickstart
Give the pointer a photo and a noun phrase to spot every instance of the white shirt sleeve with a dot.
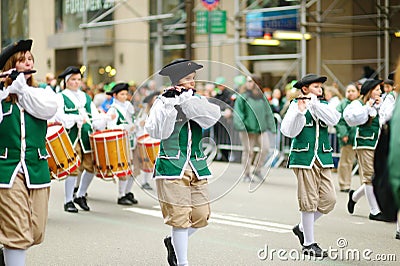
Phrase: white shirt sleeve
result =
(99, 120)
(386, 109)
(294, 121)
(161, 121)
(40, 103)
(68, 120)
(356, 114)
(200, 110)
(324, 112)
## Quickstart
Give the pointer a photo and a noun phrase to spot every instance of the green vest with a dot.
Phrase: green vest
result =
(122, 121)
(175, 152)
(312, 143)
(367, 135)
(86, 130)
(29, 148)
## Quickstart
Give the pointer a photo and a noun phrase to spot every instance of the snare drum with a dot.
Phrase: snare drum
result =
(63, 159)
(148, 151)
(111, 153)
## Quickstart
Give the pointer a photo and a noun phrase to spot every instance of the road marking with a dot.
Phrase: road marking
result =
(226, 219)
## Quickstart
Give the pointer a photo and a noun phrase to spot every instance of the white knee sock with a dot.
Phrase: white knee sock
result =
(129, 184)
(358, 193)
(122, 188)
(373, 204)
(307, 220)
(398, 225)
(86, 179)
(69, 188)
(180, 239)
(146, 177)
(191, 231)
(14, 257)
(317, 215)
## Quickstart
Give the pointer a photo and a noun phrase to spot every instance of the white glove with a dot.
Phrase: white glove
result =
(185, 96)
(79, 121)
(18, 85)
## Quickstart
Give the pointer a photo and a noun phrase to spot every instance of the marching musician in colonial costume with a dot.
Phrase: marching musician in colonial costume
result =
(177, 118)
(25, 178)
(80, 117)
(123, 111)
(364, 113)
(306, 122)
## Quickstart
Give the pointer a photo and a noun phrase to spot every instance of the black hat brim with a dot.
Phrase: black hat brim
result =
(179, 69)
(309, 79)
(21, 45)
(117, 88)
(69, 70)
(369, 84)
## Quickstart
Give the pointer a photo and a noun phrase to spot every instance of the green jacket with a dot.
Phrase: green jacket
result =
(181, 148)
(311, 144)
(23, 141)
(394, 154)
(342, 128)
(253, 115)
(86, 130)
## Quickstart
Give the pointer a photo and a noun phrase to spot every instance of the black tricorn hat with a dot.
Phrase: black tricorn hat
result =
(391, 75)
(118, 87)
(369, 84)
(149, 97)
(21, 45)
(309, 79)
(69, 70)
(178, 69)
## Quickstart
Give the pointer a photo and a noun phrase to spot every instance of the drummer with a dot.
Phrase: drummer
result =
(122, 110)
(80, 117)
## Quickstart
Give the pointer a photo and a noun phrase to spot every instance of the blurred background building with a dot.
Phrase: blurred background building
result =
(279, 40)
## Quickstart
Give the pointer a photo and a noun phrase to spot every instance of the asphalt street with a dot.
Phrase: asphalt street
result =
(250, 224)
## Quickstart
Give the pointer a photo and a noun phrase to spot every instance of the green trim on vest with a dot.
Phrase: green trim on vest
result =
(86, 130)
(10, 146)
(367, 135)
(311, 143)
(173, 154)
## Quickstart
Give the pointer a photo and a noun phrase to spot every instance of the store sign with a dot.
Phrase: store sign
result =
(260, 23)
(218, 22)
(77, 6)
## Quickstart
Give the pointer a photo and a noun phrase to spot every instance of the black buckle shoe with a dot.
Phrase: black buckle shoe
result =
(70, 207)
(314, 250)
(378, 217)
(351, 203)
(171, 252)
(397, 235)
(2, 263)
(147, 186)
(81, 201)
(296, 230)
(131, 197)
(124, 201)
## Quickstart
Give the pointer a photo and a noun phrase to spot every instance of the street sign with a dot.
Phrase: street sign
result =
(210, 4)
(218, 22)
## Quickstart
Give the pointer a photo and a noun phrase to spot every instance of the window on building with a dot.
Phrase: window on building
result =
(14, 21)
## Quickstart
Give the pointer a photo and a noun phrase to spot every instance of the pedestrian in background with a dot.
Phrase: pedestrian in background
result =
(253, 118)
(306, 122)
(346, 135)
